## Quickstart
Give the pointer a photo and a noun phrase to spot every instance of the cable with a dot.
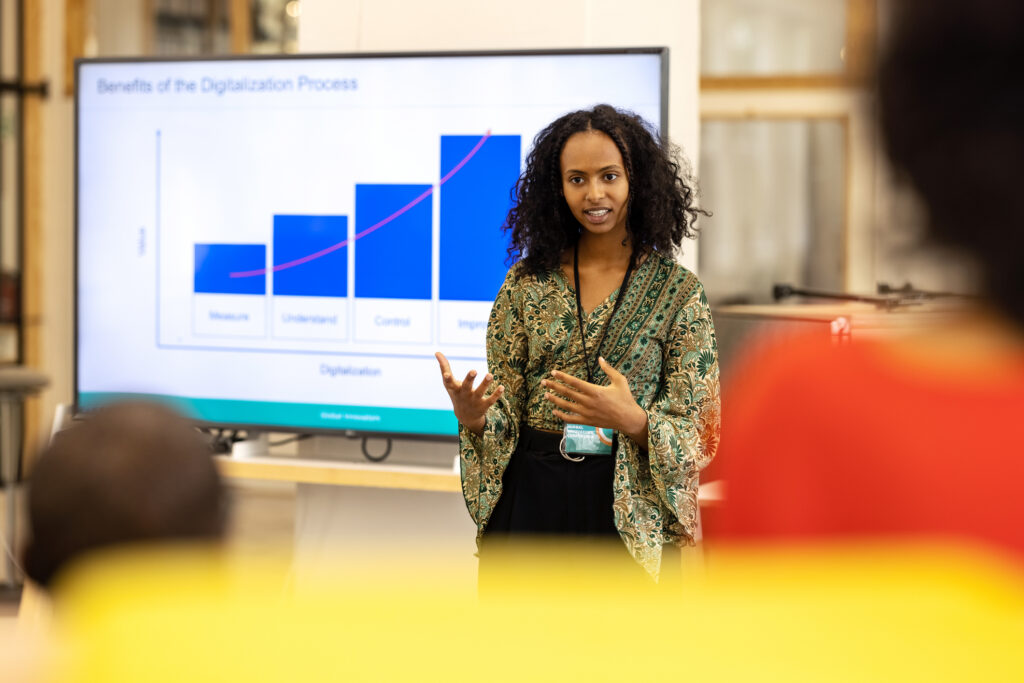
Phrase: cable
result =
(376, 458)
(221, 441)
(220, 444)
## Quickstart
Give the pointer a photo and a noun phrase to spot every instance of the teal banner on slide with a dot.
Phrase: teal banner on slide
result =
(294, 415)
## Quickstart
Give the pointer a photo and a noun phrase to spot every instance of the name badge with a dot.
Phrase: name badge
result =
(585, 440)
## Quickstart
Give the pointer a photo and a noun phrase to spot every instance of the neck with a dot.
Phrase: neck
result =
(605, 250)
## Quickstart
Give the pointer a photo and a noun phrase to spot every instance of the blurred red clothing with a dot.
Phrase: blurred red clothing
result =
(824, 442)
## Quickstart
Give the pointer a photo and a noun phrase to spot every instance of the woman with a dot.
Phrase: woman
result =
(601, 208)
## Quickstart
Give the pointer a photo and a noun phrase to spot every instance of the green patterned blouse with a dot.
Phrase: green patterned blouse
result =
(662, 339)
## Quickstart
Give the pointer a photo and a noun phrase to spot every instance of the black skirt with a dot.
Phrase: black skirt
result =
(561, 511)
(556, 514)
(544, 493)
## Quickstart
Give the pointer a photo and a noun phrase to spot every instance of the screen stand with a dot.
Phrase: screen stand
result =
(405, 451)
(254, 445)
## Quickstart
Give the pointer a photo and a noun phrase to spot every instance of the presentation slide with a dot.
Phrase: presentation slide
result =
(287, 242)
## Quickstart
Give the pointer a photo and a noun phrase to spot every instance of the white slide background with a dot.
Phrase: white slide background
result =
(225, 164)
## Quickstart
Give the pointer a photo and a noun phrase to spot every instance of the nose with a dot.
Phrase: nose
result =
(595, 190)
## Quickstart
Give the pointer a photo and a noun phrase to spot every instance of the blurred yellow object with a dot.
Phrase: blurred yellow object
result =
(865, 613)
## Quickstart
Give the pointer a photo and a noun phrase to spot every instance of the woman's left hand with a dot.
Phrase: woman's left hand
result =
(609, 407)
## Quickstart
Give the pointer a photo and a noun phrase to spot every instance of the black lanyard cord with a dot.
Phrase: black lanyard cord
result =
(579, 307)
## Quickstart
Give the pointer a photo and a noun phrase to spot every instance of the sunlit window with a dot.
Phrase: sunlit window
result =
(772, 37)
(777, 191)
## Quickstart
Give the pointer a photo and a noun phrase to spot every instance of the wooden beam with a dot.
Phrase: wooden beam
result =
(861, 38)
(78, 24)
(779, 82)
(33, 256)
(240, 15)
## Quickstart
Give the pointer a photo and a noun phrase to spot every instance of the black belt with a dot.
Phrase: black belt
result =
(538, 439)
(541, 440)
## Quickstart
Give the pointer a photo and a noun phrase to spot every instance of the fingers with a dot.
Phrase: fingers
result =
(613, 374)
(585, 388)
(467, 383)
(571, 418)
(561, 403)
(493, 398)
(446, 372)
(563, 390)
(443, 362)
(480, 393)
(481, 389)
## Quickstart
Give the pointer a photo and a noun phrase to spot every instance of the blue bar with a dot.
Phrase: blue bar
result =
(393, 261)
(474, 203)
(216, 262)
(301, 237)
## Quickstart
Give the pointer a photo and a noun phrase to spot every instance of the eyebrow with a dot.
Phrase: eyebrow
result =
(610, 167)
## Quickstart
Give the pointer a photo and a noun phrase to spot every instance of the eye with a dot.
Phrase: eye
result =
(611, 176)
(575, 180)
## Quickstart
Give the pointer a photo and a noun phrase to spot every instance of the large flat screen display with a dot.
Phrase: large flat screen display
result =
(283, 243)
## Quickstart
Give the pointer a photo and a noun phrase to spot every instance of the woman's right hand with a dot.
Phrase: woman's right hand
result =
(470, 404)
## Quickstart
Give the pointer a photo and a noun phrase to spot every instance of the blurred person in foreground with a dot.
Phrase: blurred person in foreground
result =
(920, 436)
(129, 473)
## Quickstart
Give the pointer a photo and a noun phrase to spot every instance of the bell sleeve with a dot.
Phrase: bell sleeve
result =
(483, 458)
(684, 418)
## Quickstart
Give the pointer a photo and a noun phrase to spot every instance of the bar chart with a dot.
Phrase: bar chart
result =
(394, 233)
(474, 203)
(473, 249)
(310, 256)
(227, 306)
(399, 290)
(393, 262)
(310, 277)
(216, 262)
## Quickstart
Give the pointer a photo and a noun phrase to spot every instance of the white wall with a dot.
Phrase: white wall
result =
(401, 26)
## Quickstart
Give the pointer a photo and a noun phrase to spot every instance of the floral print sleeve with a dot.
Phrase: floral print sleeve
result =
(683, 421)
(483, 459)
(673, 373)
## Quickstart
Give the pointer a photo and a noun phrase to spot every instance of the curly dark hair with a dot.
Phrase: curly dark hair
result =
(951, 107)
(661, 209)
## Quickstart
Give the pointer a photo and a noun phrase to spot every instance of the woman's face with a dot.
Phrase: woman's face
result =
(594, 182)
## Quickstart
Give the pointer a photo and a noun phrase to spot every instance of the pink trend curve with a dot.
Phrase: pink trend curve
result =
(375, 226)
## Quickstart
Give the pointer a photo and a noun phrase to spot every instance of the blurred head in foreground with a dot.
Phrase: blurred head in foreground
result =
(129, 473)
(908, 436)
(951, 104)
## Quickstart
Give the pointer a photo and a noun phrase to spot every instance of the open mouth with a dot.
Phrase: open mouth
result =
(596, 215)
